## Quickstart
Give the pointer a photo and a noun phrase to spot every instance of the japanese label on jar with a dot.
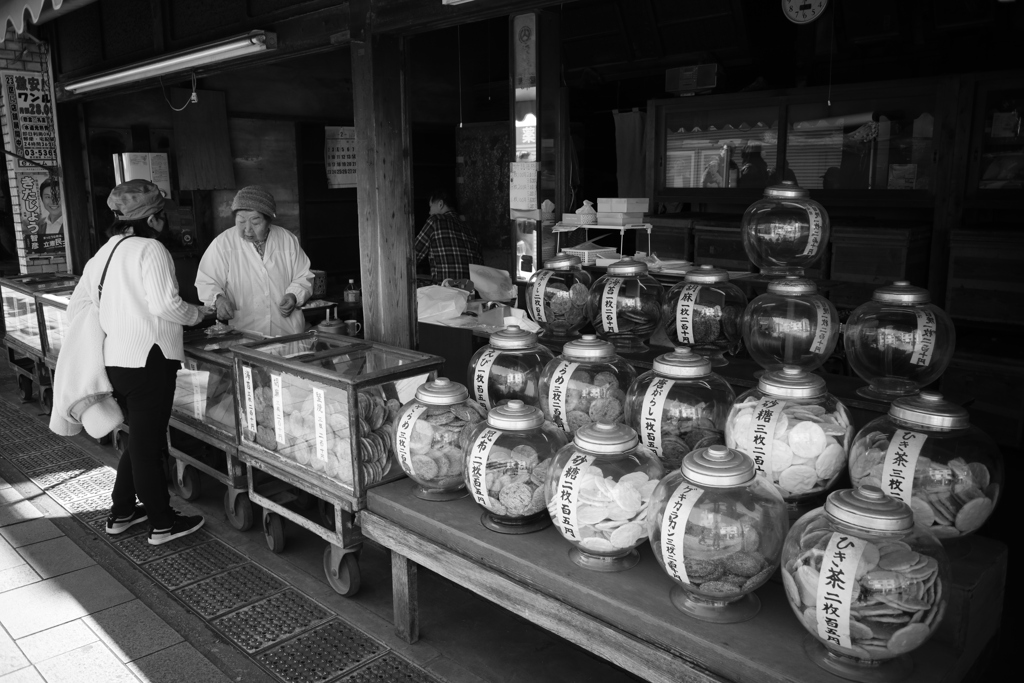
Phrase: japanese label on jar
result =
(540, 285)
(275, 383)
(481, 373)
(822, 329)
(814, 231)
(762, 433)
(403, 436)
(568, 495)
(558, 389)
(650, 412)
(900, 463)
(320, 420)
(835, 588)
(673, 529)
(684, 313)
(478, 465)
(198, 395)
(609, 299)
(924, 340)
(250, 401)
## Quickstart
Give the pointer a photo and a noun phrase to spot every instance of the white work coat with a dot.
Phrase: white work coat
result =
(232, 267)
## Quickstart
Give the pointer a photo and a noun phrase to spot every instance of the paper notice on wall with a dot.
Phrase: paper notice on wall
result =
(340, 156)
(523, 185)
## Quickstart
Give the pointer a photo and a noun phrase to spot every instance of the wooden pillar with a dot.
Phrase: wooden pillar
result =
(385, 184)
(952, 131)
(77, 190)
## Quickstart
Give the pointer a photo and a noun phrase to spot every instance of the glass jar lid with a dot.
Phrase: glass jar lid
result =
(792, 382)
(792, 286)
(682, 362)
(513, 337)
(562, 261)
(787, 189)
(441, 392)
(869, 509)
(589, 348)
(627, 266)
(707, 275)
(930, 410)
(902, 292)
(606, 437)
(515, 416)
(718, 467)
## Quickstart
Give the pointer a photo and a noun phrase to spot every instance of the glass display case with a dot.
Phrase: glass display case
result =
(53, 321)
(997, 161)
(21, 322)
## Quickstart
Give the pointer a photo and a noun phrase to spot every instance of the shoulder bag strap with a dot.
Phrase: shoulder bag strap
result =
(103, 277)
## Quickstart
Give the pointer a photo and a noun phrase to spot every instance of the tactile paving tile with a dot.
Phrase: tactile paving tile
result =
(389, 669)
(321, 654)
(58, 474)
(139, 551)
(193, 564)
(37, 461)
(97, 482)
(230, 590)
(34, 444)
(271, 620)
(17, 428)
(89, 508)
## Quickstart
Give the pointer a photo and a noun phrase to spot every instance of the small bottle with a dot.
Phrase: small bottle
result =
(352, 294)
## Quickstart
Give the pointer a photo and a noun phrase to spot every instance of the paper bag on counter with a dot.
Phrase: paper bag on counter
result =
(492, 284)
(439, 303)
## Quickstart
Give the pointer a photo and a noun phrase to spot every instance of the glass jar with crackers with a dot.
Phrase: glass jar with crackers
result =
(704, 311)
(556, 297)
(785, 231)
(790, 324)
(625, 305)
(508, 368)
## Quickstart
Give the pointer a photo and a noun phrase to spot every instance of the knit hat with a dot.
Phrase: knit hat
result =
(136, 199)
(255, 198)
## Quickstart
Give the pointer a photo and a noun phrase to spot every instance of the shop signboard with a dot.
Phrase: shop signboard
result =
(340, 156)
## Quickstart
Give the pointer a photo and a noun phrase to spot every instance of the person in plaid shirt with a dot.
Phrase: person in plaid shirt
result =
(447, 241)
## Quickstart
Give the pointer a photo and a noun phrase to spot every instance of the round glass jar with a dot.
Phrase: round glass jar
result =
(508, 368)
(862, 629)
(430, 431)
(797, 433)
(556, 297)
(679, 406)
(598, 490)
(926, 453)
(584, 384)
(785, 231)
(505, 467)
(790, 324)
(704, 311)
(899, 341)
(625, 305)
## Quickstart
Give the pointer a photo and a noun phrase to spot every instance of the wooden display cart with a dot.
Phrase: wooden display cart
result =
(316, 414)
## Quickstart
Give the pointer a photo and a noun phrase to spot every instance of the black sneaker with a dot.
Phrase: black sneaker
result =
(117, 525)
(183, 526)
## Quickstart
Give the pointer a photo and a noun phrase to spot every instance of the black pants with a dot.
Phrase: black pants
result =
(145, 396)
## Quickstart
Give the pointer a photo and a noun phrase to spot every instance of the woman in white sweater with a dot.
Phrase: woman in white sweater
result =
(142, 316)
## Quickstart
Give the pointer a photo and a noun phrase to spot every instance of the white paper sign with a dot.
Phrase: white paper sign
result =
(900, 463)
(651, 412)
(609, 297)
(814, 236)
(478, 465)
(684, 313)
(822, 329)
(673, 529)
(762, 433)
(557, 391)
(198, 391)
(340, 156)
(320, 420)
(250, 401)
(275, 383)
(568, 495)
(835, 588)
(924, 340)
(481, 373)
(403, 435)
(540, 285)
(523, 185)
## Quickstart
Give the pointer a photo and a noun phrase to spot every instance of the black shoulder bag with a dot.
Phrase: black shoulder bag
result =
(103, 277)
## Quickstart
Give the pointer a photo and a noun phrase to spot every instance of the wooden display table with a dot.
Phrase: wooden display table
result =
(625, 618)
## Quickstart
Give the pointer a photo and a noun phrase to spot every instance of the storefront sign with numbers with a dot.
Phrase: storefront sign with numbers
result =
(340, 156)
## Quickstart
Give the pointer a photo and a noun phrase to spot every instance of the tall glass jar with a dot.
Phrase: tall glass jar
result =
(863, 628)
(625, 305)
(585, 384)
(704, 311)
(899, 341)
(598, 492)
(797, 433)
(505, 467)
(926, 453)
(556, 297)
(785, 231)
(717, 529)
(791, 324)
(679, 406)
(430, 431)
(508, 368)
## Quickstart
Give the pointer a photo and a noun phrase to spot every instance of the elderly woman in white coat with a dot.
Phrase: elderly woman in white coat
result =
(256, 275)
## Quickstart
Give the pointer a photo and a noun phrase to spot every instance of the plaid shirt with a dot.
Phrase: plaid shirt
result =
(449, 244)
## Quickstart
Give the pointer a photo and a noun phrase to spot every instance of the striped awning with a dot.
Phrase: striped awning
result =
(13, 12)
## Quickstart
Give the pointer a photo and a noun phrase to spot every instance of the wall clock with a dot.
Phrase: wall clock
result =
(803, 11)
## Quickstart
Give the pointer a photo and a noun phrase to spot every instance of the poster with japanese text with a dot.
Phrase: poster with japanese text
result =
(42, 221)
(340, 156)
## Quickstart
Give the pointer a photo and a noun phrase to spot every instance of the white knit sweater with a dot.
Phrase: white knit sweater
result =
(140, 305)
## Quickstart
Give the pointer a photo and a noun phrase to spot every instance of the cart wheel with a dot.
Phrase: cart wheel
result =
(326, 513)
(46, 399)
(240, 515)
(189, 487)
(25, 388)
(342, 576)
(304, 500)
(273, 531)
